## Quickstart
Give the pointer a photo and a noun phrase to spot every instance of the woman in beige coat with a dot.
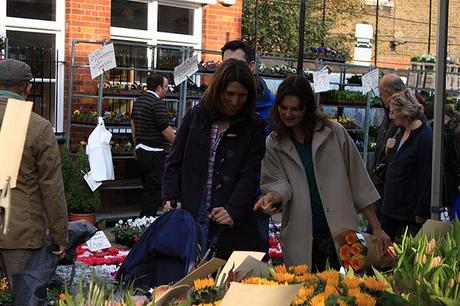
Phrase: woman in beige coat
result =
(314, 174)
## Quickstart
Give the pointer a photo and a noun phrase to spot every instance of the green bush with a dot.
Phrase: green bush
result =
(80, 199)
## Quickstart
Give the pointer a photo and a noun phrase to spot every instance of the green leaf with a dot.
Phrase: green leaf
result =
(445, 301)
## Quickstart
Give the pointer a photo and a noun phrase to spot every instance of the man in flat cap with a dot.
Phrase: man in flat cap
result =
(38, 203)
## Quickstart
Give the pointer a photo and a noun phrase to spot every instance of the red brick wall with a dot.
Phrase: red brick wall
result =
(408, 20)
(85, 19)
(221, 24)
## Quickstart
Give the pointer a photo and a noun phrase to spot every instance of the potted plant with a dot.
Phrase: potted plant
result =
(81, 201)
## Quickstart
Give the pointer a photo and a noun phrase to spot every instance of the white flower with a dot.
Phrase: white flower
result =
(120, 222)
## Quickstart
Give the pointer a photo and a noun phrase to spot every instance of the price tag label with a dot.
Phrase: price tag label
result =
(91, 183)
(370, 80)
(98, 242)
(321, 81)
(186, 69)
(103, 59)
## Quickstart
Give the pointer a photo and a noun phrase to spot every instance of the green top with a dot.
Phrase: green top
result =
(305, 154)
(10, 94)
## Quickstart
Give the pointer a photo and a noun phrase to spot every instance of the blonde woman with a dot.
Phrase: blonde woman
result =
(408, 178)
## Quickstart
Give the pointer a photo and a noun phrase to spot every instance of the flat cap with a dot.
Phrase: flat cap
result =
(14, 71)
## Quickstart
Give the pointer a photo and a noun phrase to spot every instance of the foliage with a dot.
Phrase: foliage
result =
(98, 294)
(428, 269)
(79, 197)
(278, 25)
(131, 230)
(344, 95)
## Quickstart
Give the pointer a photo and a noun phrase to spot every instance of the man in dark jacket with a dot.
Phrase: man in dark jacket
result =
(38, 201)
(152, 135)
(240, 50)
(389, 85)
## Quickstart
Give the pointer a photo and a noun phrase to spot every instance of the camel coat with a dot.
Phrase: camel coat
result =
(343, 183)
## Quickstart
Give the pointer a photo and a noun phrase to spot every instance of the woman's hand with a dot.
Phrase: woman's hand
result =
(391, 142)
(221, 216)
(380, 233)
(168, 206)
(269, 203)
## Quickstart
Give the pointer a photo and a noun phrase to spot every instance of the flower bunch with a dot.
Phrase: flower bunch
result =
(209, 64)
(274, 252)
(347, 122)
(130, 230)
(353, 252)
(109, 256)
(205, 292)
(428, 269)
(332, 288)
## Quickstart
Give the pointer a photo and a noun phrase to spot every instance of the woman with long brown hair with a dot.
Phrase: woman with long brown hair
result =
(313, 171)
(212, 170)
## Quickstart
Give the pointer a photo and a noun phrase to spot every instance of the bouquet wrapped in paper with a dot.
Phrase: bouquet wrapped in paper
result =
(359, 251)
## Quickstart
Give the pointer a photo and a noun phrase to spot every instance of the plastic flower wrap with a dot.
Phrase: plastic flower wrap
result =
(360, 251)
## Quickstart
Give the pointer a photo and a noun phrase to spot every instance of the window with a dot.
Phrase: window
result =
(129, 14)
(35, 9)
(175, 20)
(34, 30)
(37, 49)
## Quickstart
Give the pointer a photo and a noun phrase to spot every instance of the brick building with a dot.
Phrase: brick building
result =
(406, 22)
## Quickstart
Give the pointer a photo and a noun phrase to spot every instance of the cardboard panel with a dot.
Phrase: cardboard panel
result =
(260, 295)
(12, 138)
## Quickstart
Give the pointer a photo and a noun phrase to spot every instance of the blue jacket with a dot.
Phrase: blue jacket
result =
(265, 100)
(408, 176)
(235, 177)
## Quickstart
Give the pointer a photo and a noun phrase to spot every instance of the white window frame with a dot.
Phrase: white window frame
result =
(152, 37)
(57, 28)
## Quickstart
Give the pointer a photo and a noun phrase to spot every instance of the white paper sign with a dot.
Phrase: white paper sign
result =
(321, 81)
(98, 242)
(91, 183)
(103, 59)
(185, 69)
(370, 80)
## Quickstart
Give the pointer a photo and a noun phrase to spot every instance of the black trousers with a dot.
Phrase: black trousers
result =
(395, 228)
(151, 164)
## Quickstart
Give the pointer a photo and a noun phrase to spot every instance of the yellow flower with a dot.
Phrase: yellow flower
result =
(307, 277)
(258, 281)
(318, 300)
(61, 297)
(354, 292)
(300, 269)
(342, 303)
(330, 290)
(364, 299)
(303, 294)
(4, 284)
(328, 275)
(284, 277)
(352, 282)
(375, 284)
(76, 112)
(204, 283)
(280, 269)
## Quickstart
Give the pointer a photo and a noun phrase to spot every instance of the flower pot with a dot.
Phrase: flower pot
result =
(88, 217)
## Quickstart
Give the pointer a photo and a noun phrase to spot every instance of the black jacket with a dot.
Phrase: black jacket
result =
(235, 177)
(408, 176)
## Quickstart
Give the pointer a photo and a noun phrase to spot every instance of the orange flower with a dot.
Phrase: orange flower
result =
(258, 281)
(345, 252)
(61, 297)
(318, 300)
(391, 251)
(346, 262)
(204, 283)
(364, 299)
(300, 269)
(357, 261)
(352, 282)
(356, 248)
(374, 284)
(280, 269)
(284, 277)
(330, 290)
(307, 277)
(351, 238)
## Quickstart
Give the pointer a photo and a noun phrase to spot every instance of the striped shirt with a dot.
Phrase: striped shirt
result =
(150, 119)
(215, 138)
